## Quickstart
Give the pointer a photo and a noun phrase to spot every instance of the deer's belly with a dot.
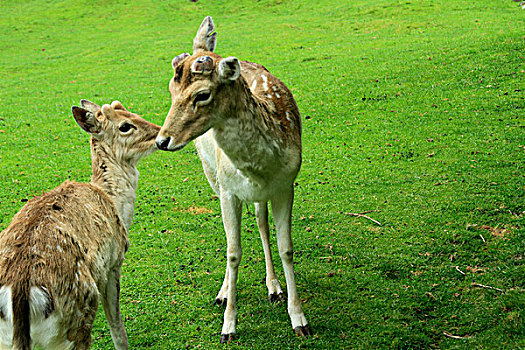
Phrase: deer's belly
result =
(252, 188)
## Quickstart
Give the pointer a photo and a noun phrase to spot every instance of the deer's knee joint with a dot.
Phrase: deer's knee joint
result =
(286, 255)
(234, 259)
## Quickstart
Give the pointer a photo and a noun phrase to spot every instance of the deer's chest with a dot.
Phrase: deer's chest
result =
(254, 181)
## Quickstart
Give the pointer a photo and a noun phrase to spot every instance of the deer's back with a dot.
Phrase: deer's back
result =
(64, 240)
(277, 99)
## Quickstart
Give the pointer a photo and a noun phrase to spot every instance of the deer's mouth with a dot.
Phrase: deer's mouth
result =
(169, 144)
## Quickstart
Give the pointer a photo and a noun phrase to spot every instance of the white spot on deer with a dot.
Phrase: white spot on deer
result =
(274, 88)
(269, 96)
(38, 301)
(288, 117)
(265, 82)
(5, 303)
(254, 85)
(277, 95)
(59, 248)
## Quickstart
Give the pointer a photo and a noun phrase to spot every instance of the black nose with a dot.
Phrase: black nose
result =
(163, 144)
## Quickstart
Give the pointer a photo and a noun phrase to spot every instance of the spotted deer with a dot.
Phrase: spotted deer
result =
(247, 131)
(64, 249)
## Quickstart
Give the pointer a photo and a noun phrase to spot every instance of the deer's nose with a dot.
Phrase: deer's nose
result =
(163, 143)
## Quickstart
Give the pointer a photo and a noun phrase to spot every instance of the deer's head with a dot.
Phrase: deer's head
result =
(201, 91)
(125, 134)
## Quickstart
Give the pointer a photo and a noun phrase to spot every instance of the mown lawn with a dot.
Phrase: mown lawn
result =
(413, 114)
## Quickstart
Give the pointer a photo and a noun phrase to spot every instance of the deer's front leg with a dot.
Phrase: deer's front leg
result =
(111, 303)
(275, 292)
(231, 216)
(282, 214)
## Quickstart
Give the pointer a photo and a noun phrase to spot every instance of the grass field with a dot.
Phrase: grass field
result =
(413, 112)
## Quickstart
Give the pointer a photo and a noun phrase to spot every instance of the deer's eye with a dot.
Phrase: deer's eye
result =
(202, 98)
(126, 128)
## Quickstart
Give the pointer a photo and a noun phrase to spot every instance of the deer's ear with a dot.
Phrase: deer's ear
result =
(118, 105)
(206, 37)
(108, 111)
(87, 120)
(176, 60)
(229, 68)
(90, 106)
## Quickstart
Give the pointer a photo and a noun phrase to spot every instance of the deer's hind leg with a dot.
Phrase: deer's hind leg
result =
(275, 293)
(79, 336)
(282, 214)
(222, 297)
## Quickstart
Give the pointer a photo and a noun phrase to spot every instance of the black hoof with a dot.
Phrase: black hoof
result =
(276, 297)
(221, 302)
(226, 338)
(303, 331)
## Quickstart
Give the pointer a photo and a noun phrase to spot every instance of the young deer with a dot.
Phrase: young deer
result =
(65, 248)
(247, 131)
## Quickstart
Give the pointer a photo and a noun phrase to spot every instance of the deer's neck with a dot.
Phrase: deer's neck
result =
(248, 136)
(119, 180)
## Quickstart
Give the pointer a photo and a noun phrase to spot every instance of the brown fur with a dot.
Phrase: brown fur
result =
(247, 131)
(51, 242)
(69, 243)
(21, 321)
(263, 104)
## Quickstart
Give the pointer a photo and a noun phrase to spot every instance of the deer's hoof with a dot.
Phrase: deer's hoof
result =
(221, 302)
(274, 297)
(226, 338)
(303, 331)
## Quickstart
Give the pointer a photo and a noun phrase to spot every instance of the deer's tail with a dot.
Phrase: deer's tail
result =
(21, 315)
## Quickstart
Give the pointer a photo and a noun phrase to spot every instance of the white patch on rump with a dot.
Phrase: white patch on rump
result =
(38, 301)
(6, 325)
(44, 332)
(48, 334)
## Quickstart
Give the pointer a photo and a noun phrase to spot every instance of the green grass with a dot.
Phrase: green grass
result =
(413, 110)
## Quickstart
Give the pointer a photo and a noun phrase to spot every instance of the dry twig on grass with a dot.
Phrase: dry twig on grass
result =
(448, 335)
(364, 216)
(458, 270)
(474, 284)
